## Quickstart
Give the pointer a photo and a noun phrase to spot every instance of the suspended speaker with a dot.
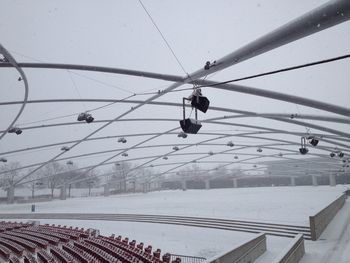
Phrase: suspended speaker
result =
(200, 103)
(190, 125)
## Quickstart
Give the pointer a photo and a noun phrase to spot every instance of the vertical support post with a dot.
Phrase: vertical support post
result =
(207, 184)
(332, 181)
(11, 194)
(235, 183)
(63, 193)
(184, 185)
(33, 190)
(106, 190)
(292, 181)
(69, 188)
(314, 180)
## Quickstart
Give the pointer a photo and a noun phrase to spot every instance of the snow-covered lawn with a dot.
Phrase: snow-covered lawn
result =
(289, 205)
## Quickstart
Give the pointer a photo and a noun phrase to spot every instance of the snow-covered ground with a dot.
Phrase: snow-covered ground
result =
(75, 192)
(289, 205)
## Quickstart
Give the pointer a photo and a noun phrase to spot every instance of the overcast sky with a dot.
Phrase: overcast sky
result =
(120, 34)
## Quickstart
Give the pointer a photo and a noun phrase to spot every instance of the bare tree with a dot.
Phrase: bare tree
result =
(121, 174)
(54, 175)
(193, 172)
(10, 174)
(35, 183)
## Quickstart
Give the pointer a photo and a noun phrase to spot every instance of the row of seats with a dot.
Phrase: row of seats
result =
(73, 234)
(5, 252)
(37, 241)
(31, 243)
(100, 254)
(13, 246)
(116, 252)
(144, 255)
(48, 232)
(79, 254)
(81, 231)
(15, 224)
(28, 258)
(61, 255)
(46, 238)
(45, 257)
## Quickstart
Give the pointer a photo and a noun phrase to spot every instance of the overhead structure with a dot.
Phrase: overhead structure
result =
(334, 146)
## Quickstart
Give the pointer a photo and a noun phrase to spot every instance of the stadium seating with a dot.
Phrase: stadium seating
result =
(29, 243)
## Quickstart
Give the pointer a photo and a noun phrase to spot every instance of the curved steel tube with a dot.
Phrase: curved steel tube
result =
(13, 63)
(296, 29)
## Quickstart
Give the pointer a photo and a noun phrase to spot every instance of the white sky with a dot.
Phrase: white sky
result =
(119, 34)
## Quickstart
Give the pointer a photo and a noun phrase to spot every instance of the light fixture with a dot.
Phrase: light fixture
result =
(69, 162)
(210, 153)
(209, 65)
(175, 148)
(125, 154)
(190, 126)
(65, 148)
(84, 116)
(165, 158)
(230, 144)
(3, 159)
(16, 130)
(259, 150)
(313, 140)
(122, 140)
(198, 102)
(303, 150)
(182, 135)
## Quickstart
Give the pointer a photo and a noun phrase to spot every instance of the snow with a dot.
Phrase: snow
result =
(334, 243)
(75, 192)
(181, 240)
(289, 205)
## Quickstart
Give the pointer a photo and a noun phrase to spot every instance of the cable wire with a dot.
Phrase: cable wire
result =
(163, 37)
(324, 61)
(75, 114)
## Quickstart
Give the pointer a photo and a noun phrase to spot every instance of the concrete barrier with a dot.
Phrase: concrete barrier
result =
(246, 252)
(293, 252)
(320, 221)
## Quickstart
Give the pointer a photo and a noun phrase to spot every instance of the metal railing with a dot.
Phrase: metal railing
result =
(187, 259)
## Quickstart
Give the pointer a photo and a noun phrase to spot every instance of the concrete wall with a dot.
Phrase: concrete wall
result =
(320, 221)
(293, 252)
(247, 252)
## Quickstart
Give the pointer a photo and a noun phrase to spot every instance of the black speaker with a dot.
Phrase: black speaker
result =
(313, 141)
(200, 103)
(190, 125)
(303, 151)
